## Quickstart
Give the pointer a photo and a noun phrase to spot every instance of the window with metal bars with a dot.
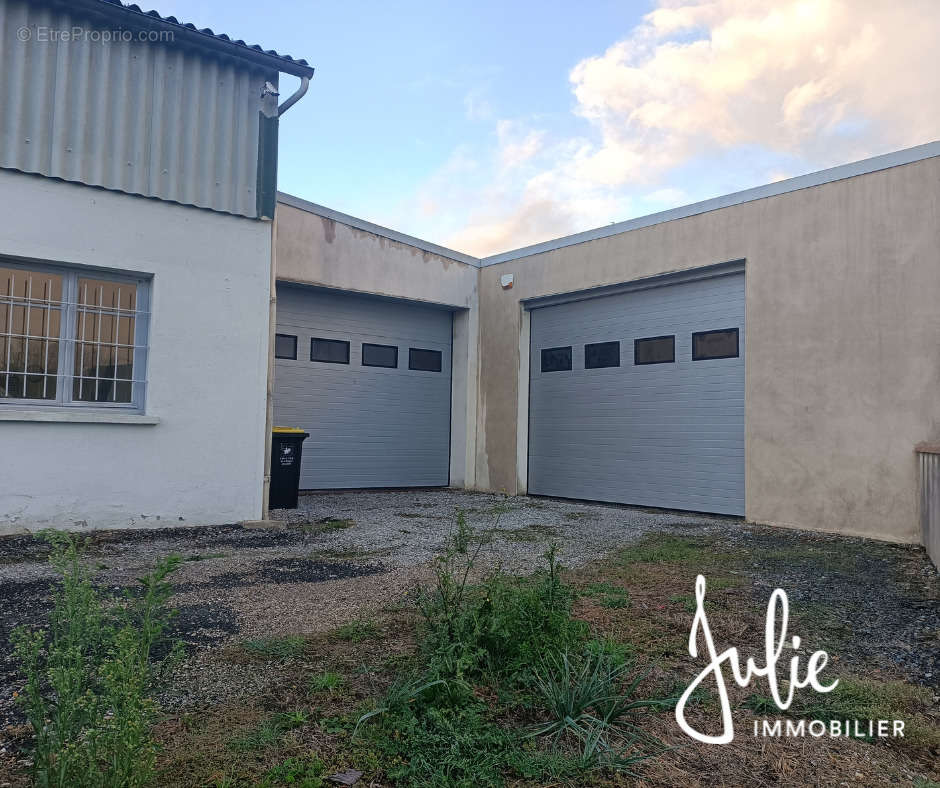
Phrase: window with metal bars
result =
(72, 337)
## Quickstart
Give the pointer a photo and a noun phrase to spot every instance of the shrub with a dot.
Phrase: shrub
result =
(434, 728)
(500, 627)
(89, 676)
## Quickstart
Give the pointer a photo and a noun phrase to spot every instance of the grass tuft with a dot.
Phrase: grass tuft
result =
(325, 682)
(663, 549)
(269, 732)
(270, 648)
(357, 631)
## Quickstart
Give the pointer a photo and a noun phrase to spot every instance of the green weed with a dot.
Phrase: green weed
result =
(357, 631)
(616, 653)
(269, 732)
(608, 595)
(271, 648)
(663, 549)
(325, 682)
(500, 627)
(298, 772)
(90, 675)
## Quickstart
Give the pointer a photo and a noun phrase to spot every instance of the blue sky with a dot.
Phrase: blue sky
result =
(490, 125)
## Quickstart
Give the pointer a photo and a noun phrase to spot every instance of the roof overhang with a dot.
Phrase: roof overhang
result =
(133, 17)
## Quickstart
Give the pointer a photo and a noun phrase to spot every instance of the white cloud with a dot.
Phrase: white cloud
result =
(783, 75)
(818, 81)
(517, 147)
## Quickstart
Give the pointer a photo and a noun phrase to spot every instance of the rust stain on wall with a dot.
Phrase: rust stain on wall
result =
(329, 229)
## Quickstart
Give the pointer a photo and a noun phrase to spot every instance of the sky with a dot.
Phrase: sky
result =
(485, 126)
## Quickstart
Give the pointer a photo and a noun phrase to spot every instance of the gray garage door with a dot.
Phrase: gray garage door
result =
(369, 379)
(638, 397)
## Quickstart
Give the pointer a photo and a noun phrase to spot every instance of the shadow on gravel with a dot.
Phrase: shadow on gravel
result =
(283, 570)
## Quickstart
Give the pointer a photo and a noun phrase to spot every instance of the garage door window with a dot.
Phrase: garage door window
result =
(424, 360)
(285, 346)
(329, 351)
(654, 350)
(556, 359)
(715, 344)
(602, 354)
(379, 356)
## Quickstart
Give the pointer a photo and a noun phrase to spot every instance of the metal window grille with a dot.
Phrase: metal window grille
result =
(71, 337)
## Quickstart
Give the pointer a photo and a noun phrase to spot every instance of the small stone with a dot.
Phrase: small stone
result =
(349, 777)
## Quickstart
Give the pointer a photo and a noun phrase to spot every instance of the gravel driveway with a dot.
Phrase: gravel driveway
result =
(345, 556)
(339, 556)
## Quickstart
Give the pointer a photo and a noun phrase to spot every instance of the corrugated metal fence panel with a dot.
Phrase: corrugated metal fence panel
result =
(930, 503)
(369, 426)
(666, 435)
(137, 117)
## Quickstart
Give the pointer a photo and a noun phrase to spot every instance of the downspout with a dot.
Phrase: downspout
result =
(269, 398)
(272, 327)
(297, 96)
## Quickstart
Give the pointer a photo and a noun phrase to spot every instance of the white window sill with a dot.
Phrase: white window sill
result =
(76, 415)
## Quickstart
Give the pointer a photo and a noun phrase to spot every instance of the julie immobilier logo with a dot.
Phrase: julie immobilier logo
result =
(775, 644)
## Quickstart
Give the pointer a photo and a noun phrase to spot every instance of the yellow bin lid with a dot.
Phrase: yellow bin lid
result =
(293, 430)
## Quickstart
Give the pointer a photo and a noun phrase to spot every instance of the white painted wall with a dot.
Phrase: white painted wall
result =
(203, 462)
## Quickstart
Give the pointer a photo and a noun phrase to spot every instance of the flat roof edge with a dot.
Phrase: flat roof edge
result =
(376, 229)
(838, 173)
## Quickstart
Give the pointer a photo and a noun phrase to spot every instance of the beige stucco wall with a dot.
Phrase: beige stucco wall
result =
(843, 342)
(315, 250)
(312, 249)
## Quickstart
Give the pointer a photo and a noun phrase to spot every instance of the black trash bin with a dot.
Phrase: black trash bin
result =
(286, 448)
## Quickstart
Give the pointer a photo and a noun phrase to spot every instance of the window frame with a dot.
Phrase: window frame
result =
(330, 361)
(362, 355)
(544, 350)
(597, 344)
(440, 359)
(285, 358)
(636, 343)
(65, 374)
(737, 343)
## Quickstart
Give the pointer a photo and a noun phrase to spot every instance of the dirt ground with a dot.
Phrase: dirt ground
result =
(349, 561)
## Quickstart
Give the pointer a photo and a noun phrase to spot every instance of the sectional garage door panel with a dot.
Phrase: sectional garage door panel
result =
(369, 426)
(668, 435)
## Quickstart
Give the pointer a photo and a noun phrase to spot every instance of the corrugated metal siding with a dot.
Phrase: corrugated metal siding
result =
(369, 426)
(667, 435)
(142, 118)
(930, 503)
